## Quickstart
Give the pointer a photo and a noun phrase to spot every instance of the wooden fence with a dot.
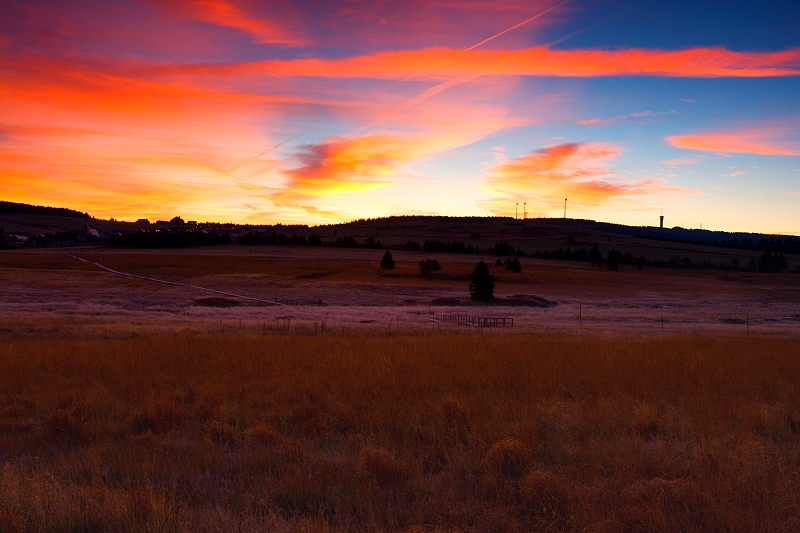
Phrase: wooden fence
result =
(475, 320)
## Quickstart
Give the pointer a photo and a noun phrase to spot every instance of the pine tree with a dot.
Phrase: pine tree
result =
(481, 283)
(613, 260)
(387, 262)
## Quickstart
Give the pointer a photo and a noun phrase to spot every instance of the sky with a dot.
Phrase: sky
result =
(321, 112)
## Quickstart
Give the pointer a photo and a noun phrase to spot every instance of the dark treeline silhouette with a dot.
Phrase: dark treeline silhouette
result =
(280, 238)
(772, 262)
(453, 247)
(503, 248)
(346, 242)
(173, 239)
(25, 209)
(774, 245)
(564, 255)
(370, 242)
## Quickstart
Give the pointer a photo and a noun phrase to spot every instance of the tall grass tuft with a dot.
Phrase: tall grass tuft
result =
(422, 433)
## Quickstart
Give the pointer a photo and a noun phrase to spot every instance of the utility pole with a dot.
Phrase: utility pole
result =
(524, 210)
(565, 208)
(516, 209)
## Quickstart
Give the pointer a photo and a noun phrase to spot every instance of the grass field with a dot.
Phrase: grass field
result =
(422, 433)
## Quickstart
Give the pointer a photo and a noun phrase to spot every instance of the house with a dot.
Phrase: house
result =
(143, 221)
(88, 234)
(177, 220)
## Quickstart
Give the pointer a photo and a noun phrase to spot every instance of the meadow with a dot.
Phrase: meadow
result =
(466, 431)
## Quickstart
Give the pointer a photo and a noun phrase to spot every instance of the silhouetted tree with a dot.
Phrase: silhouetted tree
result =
(499, 262)
(772, 263)
(613, 260)
(346, 242)
(481, 283)
(387, 263)
(595, 255)
(428, 266)
(513, 265)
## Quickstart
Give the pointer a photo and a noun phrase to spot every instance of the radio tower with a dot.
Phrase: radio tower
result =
(565, 208)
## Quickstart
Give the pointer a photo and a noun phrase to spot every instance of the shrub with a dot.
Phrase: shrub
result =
(428, 266)
(222, 433)
(481, 283)
(261, 435)
(387, 262)
(546, 500)
(381, 466)
(506, 458)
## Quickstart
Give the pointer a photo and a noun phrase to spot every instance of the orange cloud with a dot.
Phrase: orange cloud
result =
(572, 170)
(763, 141)
(536, 61)
(342, 165)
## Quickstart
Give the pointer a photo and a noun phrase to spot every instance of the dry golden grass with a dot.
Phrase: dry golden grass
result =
(403, 433)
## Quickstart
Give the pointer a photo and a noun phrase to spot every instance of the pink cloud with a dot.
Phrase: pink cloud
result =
(681, 161)
(758, 140)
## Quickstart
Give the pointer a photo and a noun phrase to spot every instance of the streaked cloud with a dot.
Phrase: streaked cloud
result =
(435, 63)
(681, 161)
(732, 174)
(758, 140)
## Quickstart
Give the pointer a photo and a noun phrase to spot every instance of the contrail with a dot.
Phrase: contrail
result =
(450, 58)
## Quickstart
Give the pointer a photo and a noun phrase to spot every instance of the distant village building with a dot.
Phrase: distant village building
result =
(176, 220)
(143, 221)
(89, 232)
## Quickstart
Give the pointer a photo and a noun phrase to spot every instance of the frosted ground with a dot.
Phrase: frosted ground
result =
(45, 293)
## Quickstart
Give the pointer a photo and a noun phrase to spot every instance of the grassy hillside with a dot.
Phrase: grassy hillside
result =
(405, 433)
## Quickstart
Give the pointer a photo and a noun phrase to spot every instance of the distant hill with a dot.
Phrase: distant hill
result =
(26, 209)
(687, 236)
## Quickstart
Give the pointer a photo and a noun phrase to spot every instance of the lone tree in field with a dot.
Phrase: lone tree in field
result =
(428, 266)
(387, 262)
(481, 283)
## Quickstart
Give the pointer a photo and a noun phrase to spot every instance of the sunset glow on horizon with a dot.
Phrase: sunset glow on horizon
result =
(264, 112)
